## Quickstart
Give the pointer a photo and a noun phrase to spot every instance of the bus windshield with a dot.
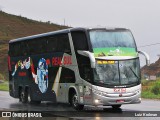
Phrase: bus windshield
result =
(116, 73)
(112, 43)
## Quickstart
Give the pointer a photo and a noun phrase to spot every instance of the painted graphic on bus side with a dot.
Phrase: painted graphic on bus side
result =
(42, 75)
(42, 72)
(41, 78)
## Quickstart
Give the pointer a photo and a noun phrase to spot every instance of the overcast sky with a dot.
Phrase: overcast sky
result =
(141, 16)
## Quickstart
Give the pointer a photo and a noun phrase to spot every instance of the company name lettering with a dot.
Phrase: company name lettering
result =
(67, 60)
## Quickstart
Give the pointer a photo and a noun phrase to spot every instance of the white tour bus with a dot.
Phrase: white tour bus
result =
(80, 66)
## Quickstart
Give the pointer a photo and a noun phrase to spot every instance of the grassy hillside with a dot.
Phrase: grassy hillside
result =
(12, 27)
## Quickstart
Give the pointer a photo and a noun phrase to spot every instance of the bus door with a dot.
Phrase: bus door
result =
(86, 84)
(85, 79)
(67, 78)
(80, 43)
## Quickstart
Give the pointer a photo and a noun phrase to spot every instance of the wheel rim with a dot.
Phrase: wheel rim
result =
(75, 100)
(29, 98)
(22, 96)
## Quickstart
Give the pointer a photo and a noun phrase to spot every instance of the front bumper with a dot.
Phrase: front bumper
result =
(116, 100)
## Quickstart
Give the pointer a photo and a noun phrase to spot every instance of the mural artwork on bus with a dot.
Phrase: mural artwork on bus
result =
(42, 71)
(41, 76)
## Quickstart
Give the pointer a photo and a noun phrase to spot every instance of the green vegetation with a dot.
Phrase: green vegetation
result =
(151, 89)
(4, 86)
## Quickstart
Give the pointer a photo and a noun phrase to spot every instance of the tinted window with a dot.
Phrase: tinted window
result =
(32, 46)
(37, 46)
(41, 45)
(84, 67)
(11, 49)
(67, 76)
(58, 43)
(63, 45)
(24, 48)
(52, 43)
(80, 40)
(14, 49)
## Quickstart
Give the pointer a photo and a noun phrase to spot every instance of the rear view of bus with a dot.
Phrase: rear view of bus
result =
(115, 64)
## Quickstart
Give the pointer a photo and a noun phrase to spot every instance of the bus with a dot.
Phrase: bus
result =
(79, 66)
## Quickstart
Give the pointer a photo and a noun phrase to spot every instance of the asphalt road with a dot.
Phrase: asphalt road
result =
(8, 103)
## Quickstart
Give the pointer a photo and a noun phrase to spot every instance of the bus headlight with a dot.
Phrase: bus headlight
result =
(96, 101)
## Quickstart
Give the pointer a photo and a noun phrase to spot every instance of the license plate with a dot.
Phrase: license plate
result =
(119, 101)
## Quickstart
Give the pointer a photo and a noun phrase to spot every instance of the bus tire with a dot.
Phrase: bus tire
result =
(23, 97)
(74, 102)
(19, 94)
(29, 99)
(116, 106)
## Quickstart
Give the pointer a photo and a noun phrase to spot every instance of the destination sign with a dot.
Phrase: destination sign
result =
(105, 62)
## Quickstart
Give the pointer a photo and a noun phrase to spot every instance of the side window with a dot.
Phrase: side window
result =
(41, 45)
(32, 47)
(63, 45)
(52, 43)
(24, 48)
(80, 43)
(37, 46)
(67, 76)
(79, 40)
(11, 48)
(58, 43)
(84, 67)
(16, 49)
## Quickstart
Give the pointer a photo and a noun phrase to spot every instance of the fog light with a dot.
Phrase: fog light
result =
(140, 99)
(96, 101)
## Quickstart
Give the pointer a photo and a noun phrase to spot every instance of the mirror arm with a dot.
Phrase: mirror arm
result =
(90, 55)
(146, 56)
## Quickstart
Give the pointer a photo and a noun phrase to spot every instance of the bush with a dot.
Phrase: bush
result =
(156, 88)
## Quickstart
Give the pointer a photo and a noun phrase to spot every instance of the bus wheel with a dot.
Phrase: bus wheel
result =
(23, 96)
(116, 106)
(74, 102)
(32, 101)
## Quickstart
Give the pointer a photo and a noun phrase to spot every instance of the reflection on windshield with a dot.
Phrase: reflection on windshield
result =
(104, 39)
(107, 74)
(119, 73)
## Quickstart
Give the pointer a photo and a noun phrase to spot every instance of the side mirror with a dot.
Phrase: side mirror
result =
(146, 57)
(88, 54)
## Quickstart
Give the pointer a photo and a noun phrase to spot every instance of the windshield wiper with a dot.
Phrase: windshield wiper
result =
(134, 73)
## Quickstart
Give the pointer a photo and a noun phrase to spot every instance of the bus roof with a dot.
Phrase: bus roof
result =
(62, 31)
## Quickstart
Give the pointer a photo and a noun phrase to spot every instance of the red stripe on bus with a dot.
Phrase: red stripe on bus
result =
(9, 63)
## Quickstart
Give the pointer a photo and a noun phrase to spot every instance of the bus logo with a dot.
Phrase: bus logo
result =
(119, 90)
